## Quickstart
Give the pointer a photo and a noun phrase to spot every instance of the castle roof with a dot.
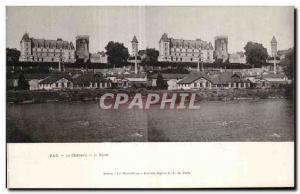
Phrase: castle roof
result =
(25, 37)
(190, 78)
(55, 77)
(134, 40)
(44, 43)
(198, 43)
(57, 44)
(221, 37)
(220, 78)
(273, 40)
(164, 38)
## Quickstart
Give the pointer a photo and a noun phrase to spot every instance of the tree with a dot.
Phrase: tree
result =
(116, 52)
(22, 83)
(151, 55)
(288, 63)
(161, 83)
(12, 55)
(256, 54)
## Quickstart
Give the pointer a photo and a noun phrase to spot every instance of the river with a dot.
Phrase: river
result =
(243, 120)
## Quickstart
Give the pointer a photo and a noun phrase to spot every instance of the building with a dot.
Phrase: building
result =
(271, 80)
(32, 79)
(99, 57)
(143, 54)
(180, 50)
(135, 46)
(56, 82)
(274, 46)
(43, 50)
(238, 57)
(171, 79)
(283, 53)
(274, 52)
(82, 47)
(225, 80)
(135, 50)
(132, 80)
(91, 81)
(221, 48)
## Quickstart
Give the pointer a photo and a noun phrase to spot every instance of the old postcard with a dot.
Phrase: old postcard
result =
(150, 97)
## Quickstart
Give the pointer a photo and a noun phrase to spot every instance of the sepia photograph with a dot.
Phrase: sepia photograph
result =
(150, 97)
(131, 74)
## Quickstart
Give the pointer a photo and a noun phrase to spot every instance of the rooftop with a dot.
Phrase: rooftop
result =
(134, 40)
(55, 77)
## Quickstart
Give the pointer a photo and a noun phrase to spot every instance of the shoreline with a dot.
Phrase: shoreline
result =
(34, 97)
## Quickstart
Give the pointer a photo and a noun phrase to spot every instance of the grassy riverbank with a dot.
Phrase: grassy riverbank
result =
(88, 95)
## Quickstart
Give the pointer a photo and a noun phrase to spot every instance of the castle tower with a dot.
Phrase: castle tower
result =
(274, 51)
(221, 48)
(135, 46)
(82, 47)
(164, 48)
(135, 50)
(25, 48)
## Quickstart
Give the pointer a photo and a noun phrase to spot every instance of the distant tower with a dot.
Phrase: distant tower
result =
(221, 48)
(82, 47)
(25, 48)
(274, 51)
(164, 48)
(135, 50)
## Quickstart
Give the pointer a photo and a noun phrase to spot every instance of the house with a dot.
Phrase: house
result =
(56, 82)
(195, 81)
(224, 80)
(129, 80)
(172, 80)
(275, 77)
(92, 81)
(34, 80)
(271, 80)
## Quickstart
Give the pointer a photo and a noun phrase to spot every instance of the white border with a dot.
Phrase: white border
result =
(108, 2)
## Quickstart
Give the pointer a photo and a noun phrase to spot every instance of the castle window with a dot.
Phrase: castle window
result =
(191, 59)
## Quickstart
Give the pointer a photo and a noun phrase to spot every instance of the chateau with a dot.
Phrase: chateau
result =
(43, 50)
(180, 50)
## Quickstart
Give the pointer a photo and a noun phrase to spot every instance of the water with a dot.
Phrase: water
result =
(245, 120)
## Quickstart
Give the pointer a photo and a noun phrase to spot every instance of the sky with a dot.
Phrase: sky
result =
(104, 24)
